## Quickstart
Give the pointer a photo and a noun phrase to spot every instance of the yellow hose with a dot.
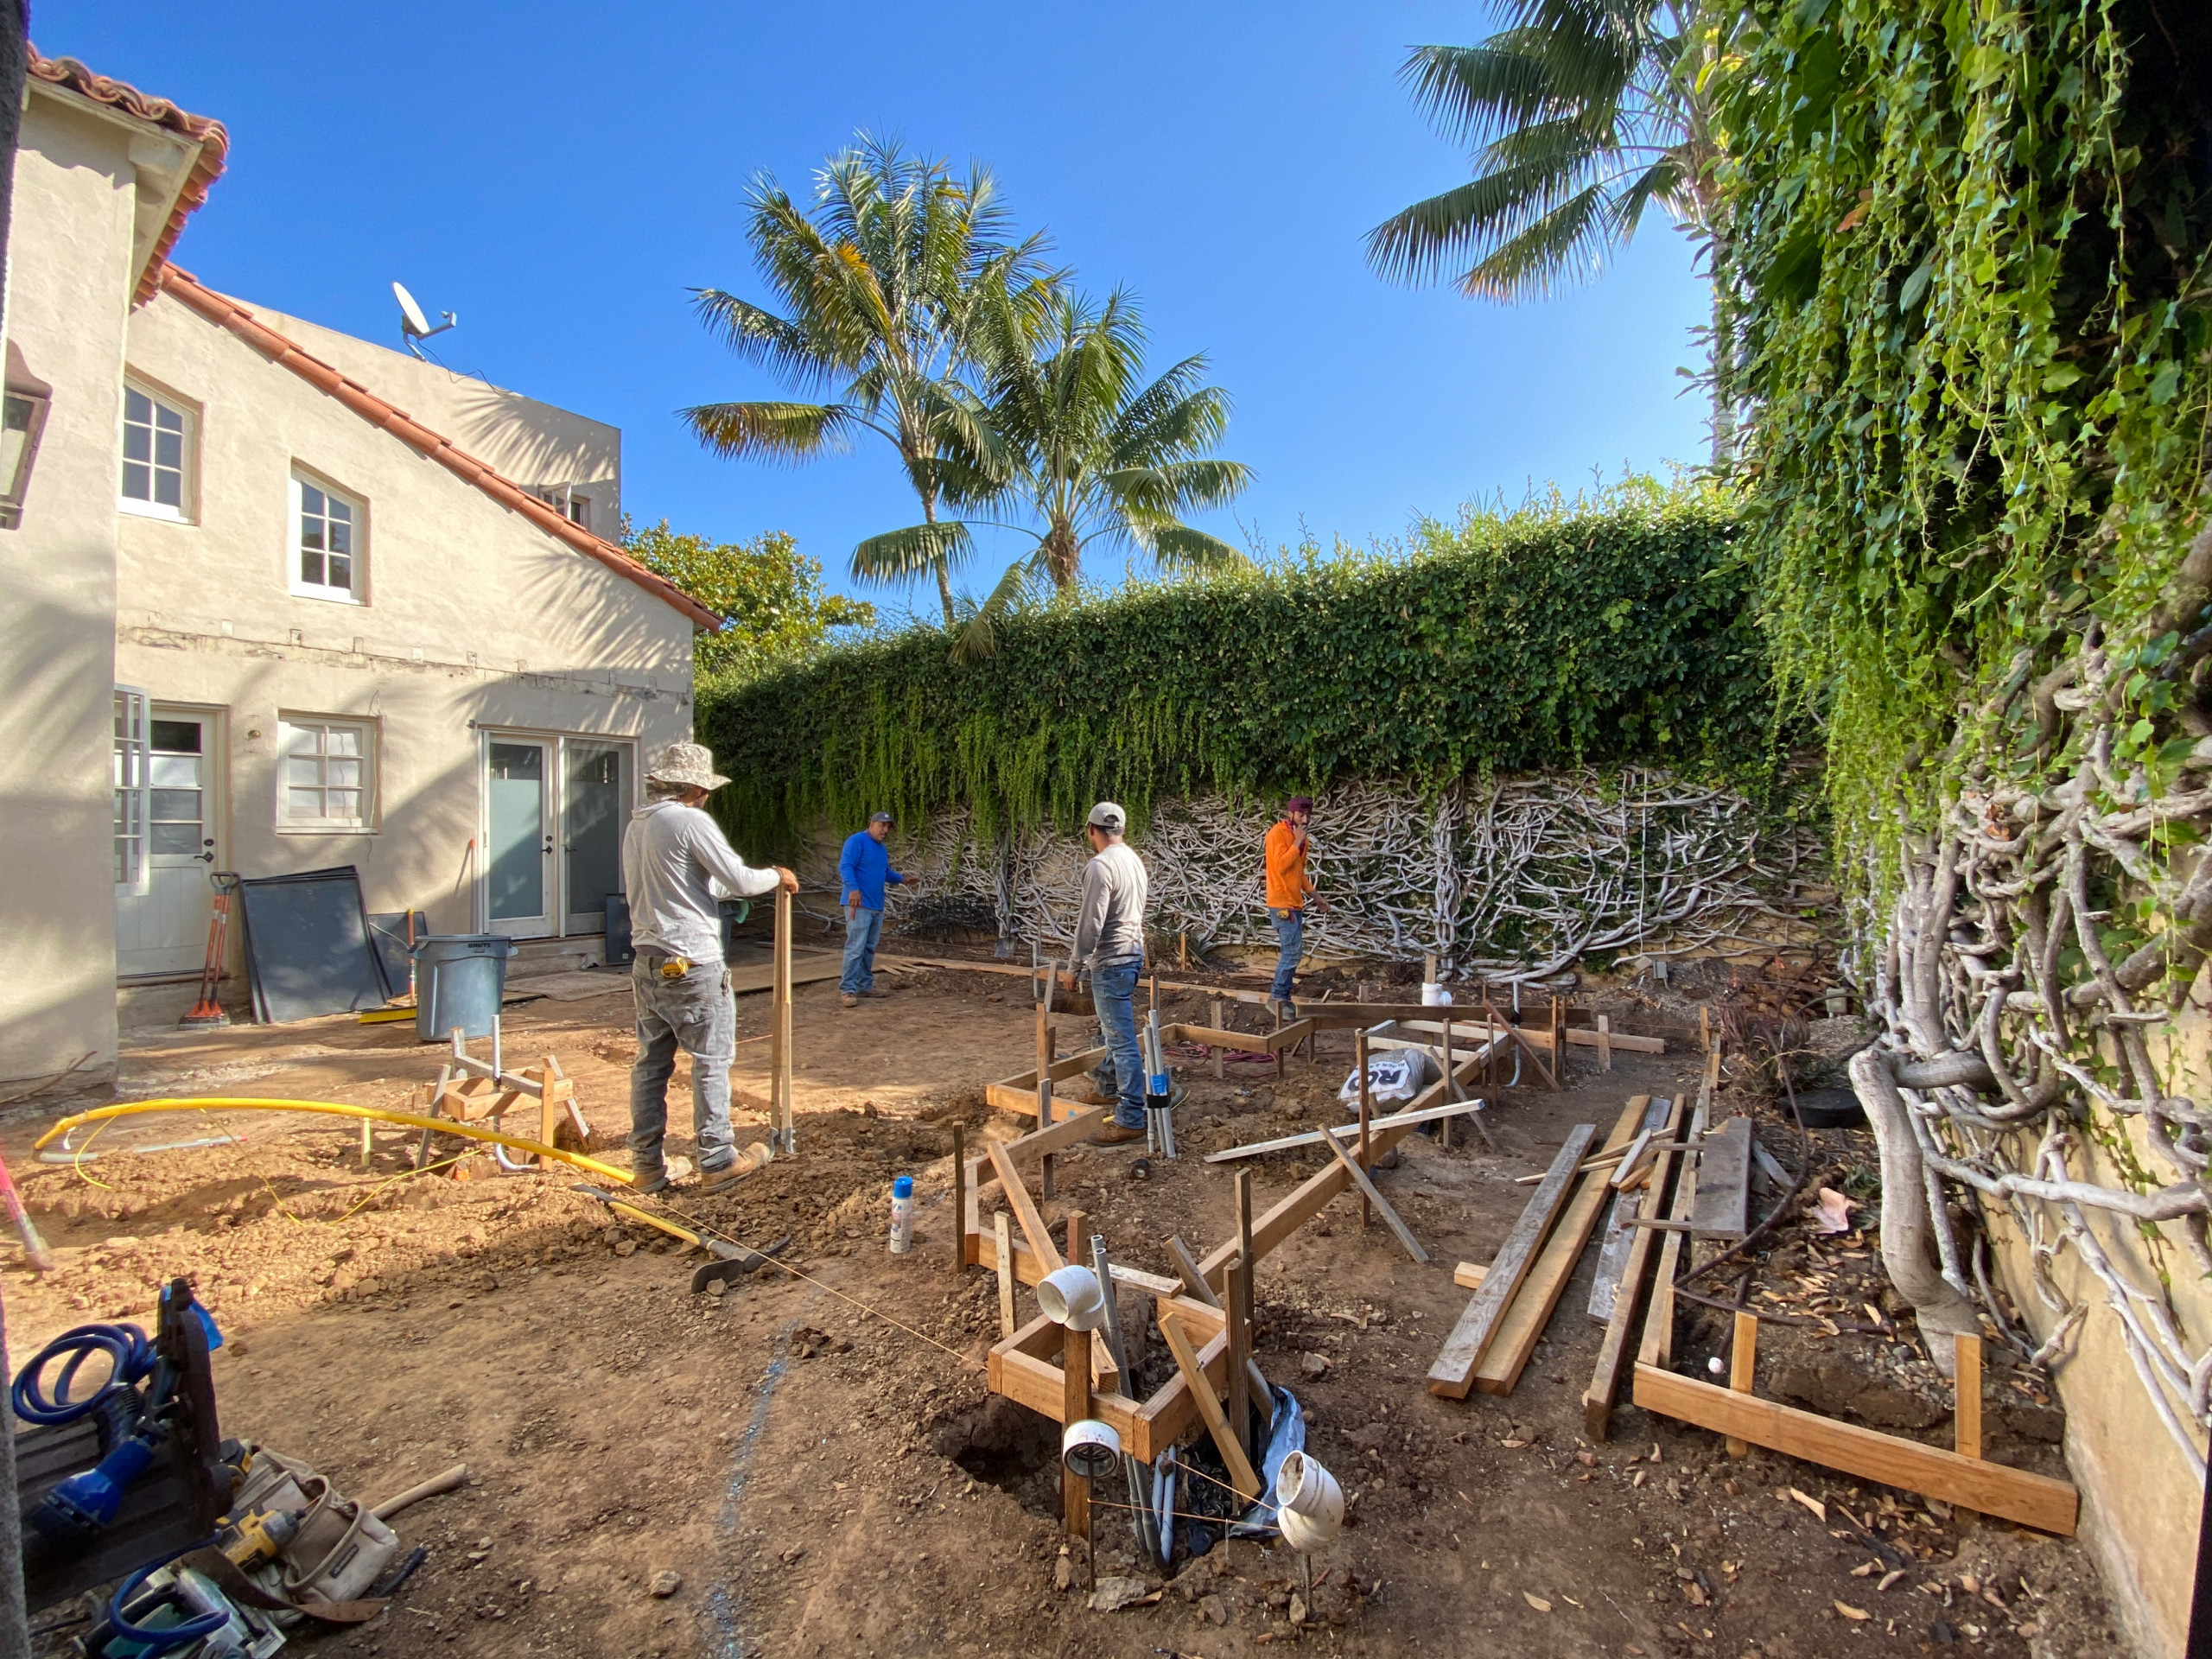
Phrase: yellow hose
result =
(337, 1109)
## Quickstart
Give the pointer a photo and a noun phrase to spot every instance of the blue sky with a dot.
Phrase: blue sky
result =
(560, 187)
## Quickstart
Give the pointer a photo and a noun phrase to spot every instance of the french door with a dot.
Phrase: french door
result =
(160, 921)
(555, 808)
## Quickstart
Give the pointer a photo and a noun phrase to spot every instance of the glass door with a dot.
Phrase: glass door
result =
(595, 811)
(518, 850)
(162, 927)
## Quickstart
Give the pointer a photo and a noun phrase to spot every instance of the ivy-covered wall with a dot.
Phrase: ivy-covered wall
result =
(1608, 635)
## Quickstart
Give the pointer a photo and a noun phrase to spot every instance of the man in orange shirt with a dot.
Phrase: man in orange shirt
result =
(1289, 891)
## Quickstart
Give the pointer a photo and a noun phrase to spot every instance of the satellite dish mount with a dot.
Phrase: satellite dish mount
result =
(413, 326)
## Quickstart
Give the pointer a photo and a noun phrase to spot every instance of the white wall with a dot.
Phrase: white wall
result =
(474, 617)
(69, 285)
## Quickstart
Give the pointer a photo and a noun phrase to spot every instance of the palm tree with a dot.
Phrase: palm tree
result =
(882, 285)
(1096, 457)
(1581, 114)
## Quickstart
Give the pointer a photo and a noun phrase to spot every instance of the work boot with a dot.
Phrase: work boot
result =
(754, 1158)
(872, 991)
(846, 999)
(1118, 1135)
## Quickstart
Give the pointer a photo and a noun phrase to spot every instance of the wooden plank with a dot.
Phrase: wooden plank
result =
(1619, 1237)
(2030, 1500)
(1366, 1185)
(1533, 1304)
(1301, 1206)
(1233, 1303)
(1343, 1132)
(1632, 1156)
(1613, 1349)
(1027, 1270)
(1657, 1346)
(1724, 1181)
(1194, 1283)
(1241, 1475)
(959, 1202)
(1453, 1373)
(1604, 1043)
(1025, 1209)
(1576, 1036)
(1965, 1413)
(1003, 1226)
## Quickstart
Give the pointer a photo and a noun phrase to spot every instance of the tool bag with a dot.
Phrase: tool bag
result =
(340, 1549)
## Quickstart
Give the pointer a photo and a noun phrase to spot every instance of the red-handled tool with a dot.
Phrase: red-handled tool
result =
(34, 1247)
(207, 1011)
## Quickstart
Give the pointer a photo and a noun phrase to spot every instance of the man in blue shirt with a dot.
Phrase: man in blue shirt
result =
(862, 869)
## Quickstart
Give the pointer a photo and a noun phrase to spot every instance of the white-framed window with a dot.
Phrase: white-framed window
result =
(156, 454)
(327, 551)
(326, 777)
(133, 786)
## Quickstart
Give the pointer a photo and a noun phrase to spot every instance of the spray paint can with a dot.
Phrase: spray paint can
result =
(902, 1214)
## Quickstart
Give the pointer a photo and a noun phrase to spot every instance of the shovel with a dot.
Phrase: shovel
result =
(730, 1260)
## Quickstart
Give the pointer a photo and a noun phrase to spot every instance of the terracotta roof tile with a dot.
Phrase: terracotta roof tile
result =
(229, 314)
(214, 142)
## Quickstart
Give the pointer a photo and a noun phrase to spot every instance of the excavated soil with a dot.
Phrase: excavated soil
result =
(815, 1453)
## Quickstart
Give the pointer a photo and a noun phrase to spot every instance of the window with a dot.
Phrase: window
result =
(326, 543)
(133, 789)
(155, 455)
(580, 511)
(328, 780)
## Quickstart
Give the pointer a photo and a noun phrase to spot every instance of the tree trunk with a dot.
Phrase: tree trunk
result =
(943, 571)
(1723, 362)
(1939, 1310)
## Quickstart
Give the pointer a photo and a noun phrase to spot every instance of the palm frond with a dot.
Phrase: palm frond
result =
(1180, 548)
(900, 556)
(977, 636)
(772, 431)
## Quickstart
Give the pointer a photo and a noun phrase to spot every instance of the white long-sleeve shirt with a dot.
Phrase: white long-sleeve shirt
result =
(1110, 922)
(675, 865)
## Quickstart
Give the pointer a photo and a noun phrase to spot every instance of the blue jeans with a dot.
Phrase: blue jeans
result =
(1290, 929)
(1114, 992)
(697, 1014)
(863, 932)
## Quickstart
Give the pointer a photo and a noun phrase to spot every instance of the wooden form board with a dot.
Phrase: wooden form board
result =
(1314, 1195)
(1345, 1132)
(1453, 1373)
(1724, 1181)
(1575, 1035)
(1619, 1238)
(1023, 1368)
(1613, 1351)
(2031, 1500)
(1532, 1304)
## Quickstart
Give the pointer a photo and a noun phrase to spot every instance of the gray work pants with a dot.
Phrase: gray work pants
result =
(696, 1014)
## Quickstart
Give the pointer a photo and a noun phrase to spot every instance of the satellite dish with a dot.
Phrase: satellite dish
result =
(413, 326)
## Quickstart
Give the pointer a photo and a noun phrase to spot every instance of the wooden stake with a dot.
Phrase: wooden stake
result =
(1240, 1347)
(1604, 1042)
(1218, 1051)
(1186, 1269)
(1965, 1413)
(1075, 1406)
(1366, 1111)
(785, 1132)
(365, 1142)
(1079, 1247)
(1241, 1474)
(960, 1203)
(1452, 1088)
(1004, 1229)
(1244, 1235)
(1743, 1361)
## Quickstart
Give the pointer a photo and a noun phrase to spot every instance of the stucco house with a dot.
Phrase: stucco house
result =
(273, 599)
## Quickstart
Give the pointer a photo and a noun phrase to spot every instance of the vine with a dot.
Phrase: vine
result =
(1967, 245)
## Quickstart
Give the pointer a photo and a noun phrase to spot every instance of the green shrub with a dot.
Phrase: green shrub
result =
(1605, 633)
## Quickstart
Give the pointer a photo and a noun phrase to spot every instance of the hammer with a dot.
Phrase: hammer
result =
(729, 1260)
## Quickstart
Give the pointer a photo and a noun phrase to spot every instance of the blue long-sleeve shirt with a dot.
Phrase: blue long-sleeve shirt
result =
(864, 868)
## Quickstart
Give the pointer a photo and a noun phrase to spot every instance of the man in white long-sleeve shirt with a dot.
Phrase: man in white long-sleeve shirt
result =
(1109, 941)
(676, 868)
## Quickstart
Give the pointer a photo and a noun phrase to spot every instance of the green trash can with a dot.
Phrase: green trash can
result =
(458, 980)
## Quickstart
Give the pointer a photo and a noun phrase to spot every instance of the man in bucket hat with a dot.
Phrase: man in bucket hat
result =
(676, 868)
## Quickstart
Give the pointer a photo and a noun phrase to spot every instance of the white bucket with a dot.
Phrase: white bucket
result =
(1311, 1504)
(1089, 1447)
(1071, 1297)
(1433, 996)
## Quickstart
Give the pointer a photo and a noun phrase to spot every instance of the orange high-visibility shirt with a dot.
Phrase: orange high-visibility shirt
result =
(1287, 883)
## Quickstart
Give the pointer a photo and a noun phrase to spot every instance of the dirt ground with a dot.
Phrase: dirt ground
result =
(815, 1455)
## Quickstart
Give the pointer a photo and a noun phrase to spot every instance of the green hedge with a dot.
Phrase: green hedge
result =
(1552, 636)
